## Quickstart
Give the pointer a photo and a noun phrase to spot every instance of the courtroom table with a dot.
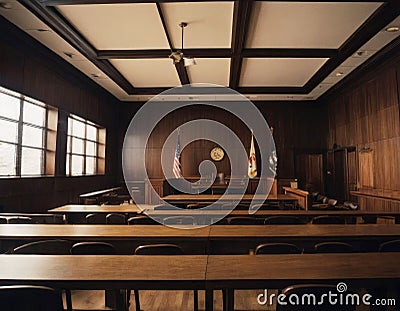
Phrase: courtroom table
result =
(126, 238)
(105, 272)
(77, 212)
(245, 198)
(239, 239)
(217, 239)
(279, 271)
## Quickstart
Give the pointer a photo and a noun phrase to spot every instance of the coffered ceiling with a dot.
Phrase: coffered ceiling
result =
(274, 50)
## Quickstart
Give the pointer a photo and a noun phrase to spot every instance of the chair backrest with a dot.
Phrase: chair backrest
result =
(20, 220)
(141, 220)
(179, 220)
(283, 220)
(97, 219)
(115, 219)
(333, 247)
(93, 248)
(3, 220)
(45, 247)
(309, 295)
(159, 249)
(277, 248)
(243, 221)
(30, 298)
(328, 220)
(266, 206)
(165, 207)
(390, 246)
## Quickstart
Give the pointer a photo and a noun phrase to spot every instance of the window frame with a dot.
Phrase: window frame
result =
(100, 146)
(46, 168)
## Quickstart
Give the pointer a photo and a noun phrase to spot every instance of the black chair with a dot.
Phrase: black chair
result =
(29, 298)
(243, 221)
(115, 219)
(277, 248)
(333, 247)
(99, 248)
(20, 220)
(283, 220)
(266, 206)
(93, 248)
(48, 247)
(3, 220)
(45, 247)
(390, 246)
(179, 220)
(328, 220)
(159, 249)
(96, 219)
(141, 220)
(314, 290)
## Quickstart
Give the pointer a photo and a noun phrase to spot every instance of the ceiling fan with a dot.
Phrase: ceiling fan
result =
(178, 56)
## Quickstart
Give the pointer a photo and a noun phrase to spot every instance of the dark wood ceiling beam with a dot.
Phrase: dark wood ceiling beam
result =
(378, 20)
(241, 18)
(286, 53)
(58, 24)
(77, 2)
(180, 68)
(163, 53)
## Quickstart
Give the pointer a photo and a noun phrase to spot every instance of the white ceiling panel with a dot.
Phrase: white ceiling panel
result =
(18, 15)
(148, 72)
(279, 71)
(210, 70)
(209, 23)
(305, 24)
(118, 26)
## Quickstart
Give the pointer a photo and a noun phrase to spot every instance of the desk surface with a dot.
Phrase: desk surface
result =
(108, 232)
(243, 271)
(77, 208)
(304, 231)
(112, 271)
(189, 198)
(121, 232)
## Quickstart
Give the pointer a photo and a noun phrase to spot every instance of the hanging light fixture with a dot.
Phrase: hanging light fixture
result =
(178, 56)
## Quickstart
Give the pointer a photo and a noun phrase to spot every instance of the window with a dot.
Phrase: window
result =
(28, 131)
(86, 147)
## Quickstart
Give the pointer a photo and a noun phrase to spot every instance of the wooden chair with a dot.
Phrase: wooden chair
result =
(179, 220)
(243, 221)
(20, 220)
(333, 247)
(277, 248)
(141, 220)
(317, 290)
(159, 249)
(115, 219)
(96, 219)
(328, 220)
(48, 247)
(390, 246)
(30, 298)
(283, 220)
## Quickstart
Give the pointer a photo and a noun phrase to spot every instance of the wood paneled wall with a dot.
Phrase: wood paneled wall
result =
(31, 69)
(297, 125)
(365, 114)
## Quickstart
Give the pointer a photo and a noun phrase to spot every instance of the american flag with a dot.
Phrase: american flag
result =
(176, 169)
